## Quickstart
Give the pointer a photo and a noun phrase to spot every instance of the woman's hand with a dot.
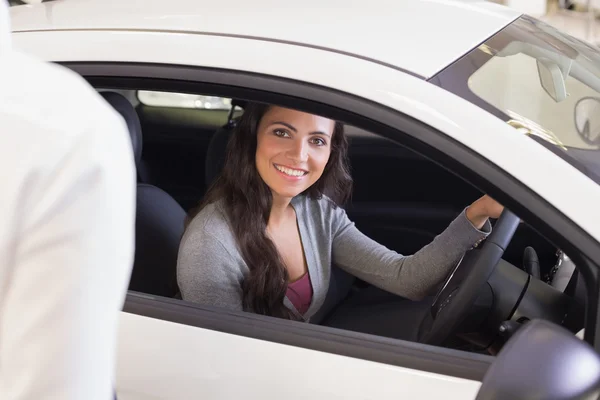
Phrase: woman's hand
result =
(483, 208)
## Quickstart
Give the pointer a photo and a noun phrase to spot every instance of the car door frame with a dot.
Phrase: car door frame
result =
(372, 116)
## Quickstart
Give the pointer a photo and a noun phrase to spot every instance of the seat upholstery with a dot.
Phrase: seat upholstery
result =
(215, 154)
(159, 226)
(159, 221)
(124, 107)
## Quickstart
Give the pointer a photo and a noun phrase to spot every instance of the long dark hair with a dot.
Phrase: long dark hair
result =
(247, 200)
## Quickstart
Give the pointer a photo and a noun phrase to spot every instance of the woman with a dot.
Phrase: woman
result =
(270, 228)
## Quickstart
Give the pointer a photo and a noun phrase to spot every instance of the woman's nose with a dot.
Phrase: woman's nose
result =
(298, 152)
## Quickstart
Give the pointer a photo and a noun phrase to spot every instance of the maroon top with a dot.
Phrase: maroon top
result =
(300, 293)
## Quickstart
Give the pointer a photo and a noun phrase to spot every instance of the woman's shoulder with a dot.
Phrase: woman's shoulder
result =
(208, 255)
(209, 224)
(320, 210)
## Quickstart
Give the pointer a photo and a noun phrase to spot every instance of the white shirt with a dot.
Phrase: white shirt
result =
(67, 221)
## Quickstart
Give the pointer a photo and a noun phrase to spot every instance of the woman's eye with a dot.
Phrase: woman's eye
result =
(319, 142)
(281, 133)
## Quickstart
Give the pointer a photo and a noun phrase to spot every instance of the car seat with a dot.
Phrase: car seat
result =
(159, 221)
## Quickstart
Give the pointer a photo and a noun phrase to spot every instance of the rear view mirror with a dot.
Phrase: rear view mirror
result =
(587, 120)
(552, 79)
(543, 361)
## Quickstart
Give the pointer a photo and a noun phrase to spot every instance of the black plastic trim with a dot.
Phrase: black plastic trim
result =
(414, 134)
(329, 340)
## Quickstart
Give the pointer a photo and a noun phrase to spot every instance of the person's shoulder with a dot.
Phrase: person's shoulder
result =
(211, 223)
(55, 99)
(324, 203)
(321, 210)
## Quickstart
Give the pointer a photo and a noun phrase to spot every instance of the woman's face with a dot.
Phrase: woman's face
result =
(292, 150)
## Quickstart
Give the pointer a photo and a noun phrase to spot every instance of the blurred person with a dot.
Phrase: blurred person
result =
(67, 217)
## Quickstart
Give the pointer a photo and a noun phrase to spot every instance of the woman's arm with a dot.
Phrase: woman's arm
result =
(412, 276)
(207, 273)
(482, 209)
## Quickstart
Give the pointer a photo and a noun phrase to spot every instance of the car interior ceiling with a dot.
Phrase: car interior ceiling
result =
(400, 198)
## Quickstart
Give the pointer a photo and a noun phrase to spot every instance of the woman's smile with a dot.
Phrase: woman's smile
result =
(290, 173)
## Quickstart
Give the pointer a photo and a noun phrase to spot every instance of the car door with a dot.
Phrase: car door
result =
(171, 349)
(202, 349)
(216, 346)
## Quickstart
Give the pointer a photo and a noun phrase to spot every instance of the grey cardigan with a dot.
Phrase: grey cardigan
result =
(210, 268)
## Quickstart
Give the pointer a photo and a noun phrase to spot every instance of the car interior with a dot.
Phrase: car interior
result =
(400, 199)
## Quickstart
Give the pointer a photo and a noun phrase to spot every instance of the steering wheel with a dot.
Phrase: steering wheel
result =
(460, 290)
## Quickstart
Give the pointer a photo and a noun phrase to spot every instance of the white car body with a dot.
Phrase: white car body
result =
(380, 51)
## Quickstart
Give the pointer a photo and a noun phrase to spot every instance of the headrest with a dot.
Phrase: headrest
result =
(124, 107)
(238, 103)
(215, 155)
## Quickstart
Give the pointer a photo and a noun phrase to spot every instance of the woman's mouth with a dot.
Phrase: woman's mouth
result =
(290, 172)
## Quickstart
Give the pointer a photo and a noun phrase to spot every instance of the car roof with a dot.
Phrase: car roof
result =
(419, 36)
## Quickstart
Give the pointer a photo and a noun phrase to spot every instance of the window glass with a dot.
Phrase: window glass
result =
(513, 85)
(548, 86)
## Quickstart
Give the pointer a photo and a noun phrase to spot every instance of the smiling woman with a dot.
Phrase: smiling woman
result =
(293, 149)
(275, 155)
(270, 228)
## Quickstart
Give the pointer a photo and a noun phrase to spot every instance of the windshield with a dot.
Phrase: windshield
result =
(544, 83)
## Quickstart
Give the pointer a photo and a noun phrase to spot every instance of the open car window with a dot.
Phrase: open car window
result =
(403, 217)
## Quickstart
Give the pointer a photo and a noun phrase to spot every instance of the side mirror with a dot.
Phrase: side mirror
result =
(587, 120)
(552, 79)
(543, 361)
